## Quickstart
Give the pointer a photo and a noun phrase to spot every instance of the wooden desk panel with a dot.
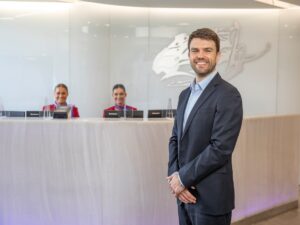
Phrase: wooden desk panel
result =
(112, 172)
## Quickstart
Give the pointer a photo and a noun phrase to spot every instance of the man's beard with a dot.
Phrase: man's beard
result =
(205, 73)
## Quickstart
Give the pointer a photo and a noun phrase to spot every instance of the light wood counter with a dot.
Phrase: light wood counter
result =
(112, 172)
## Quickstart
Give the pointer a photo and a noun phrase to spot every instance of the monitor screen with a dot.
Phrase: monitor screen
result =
(111, 114)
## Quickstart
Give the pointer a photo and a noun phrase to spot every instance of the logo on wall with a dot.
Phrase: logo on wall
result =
(173, 62)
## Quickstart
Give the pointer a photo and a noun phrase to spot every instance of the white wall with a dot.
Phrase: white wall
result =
(34, 54)
(288, 80)
(91, 46)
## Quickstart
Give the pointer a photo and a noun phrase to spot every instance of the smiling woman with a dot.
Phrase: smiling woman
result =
(61, 93)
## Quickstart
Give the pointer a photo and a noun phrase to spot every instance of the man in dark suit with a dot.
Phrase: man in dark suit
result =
(206, 128)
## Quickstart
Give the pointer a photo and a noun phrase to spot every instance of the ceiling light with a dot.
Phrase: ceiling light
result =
(278, 3)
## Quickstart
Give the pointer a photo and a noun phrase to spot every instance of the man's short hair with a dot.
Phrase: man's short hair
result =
(206, 34)
(62, 86)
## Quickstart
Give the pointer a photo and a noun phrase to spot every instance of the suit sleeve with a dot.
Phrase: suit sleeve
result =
(225, 130)
(173, 151)
(173, 165)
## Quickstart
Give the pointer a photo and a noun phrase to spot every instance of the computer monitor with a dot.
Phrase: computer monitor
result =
(65, 109)
(138, 114)
(155, 113)
(15, 113)
(111, 114)
(34, 113)
(161, 113)
(132, 114)
(60, 115)
(129, 114)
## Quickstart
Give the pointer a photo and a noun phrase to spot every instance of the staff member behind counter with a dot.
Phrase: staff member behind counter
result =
(119, 95)
(60, 95)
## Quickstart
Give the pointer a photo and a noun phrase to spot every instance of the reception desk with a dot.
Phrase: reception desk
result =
(112, 172)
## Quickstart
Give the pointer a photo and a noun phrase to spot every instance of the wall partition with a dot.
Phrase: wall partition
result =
(92, 46)
(34, 53)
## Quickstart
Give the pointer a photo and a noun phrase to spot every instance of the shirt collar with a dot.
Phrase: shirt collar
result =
(120, 107)
(201, 85)
(56, 104)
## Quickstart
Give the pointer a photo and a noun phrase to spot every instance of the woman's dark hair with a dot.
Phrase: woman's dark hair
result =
(61, 85)
(116, 86)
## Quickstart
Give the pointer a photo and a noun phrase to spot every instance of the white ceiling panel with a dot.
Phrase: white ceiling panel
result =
(187, 3)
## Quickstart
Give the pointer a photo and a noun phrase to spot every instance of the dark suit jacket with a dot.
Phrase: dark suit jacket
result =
(201, 153)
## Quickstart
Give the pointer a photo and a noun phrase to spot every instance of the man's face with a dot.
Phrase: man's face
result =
(60, 95)
(119, 96)
(203, 56)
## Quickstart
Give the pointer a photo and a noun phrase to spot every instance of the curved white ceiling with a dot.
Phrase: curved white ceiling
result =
(217, 4)
(187, 3)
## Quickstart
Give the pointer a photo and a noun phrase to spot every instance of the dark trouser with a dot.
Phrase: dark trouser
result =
(187, 217)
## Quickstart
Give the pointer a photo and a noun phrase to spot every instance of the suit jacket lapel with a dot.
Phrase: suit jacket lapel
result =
(203, 97)
(181, 110)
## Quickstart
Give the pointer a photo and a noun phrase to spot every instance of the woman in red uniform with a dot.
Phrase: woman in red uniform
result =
(60, 95)
(119, 95)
